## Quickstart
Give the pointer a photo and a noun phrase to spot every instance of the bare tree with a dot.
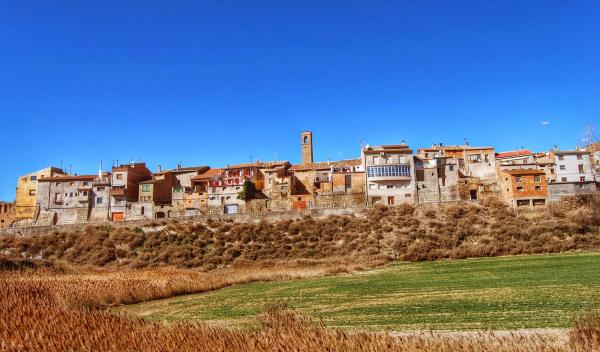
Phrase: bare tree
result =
(588, 134)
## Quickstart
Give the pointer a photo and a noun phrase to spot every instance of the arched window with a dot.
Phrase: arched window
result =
(305, 139)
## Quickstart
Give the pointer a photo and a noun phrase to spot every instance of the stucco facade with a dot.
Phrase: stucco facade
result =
(389, 174)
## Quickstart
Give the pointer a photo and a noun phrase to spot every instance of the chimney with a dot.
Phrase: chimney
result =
(159, 168)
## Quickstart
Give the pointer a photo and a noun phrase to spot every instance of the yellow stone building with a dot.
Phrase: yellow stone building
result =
(25, 200)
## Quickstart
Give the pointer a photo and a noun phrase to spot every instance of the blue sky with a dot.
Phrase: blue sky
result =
(220, 82)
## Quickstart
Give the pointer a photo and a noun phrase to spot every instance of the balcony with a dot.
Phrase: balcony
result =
(82, 199)
(117, 192)
(382, 173)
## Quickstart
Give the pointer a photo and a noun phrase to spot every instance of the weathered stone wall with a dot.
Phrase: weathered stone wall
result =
(558, 190)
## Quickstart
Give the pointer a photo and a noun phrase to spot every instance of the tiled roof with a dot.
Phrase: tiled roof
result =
(454, 147)
(524, 172)
(259, 164)
(514, 153)
(594, 147)
(326, 165)
(68, 178)
(207, 175)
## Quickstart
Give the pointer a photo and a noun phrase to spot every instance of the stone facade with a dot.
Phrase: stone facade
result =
(307, 147)
(7, 214)
(436, 180)
(561, 189)
(72, 199)
(26, 195)
(125, 182)
(526, 187)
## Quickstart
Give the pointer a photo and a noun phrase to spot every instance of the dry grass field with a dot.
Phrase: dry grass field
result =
(49, 312)
(57, 290)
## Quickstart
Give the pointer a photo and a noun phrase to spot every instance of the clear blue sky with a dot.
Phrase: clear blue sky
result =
(216, 82)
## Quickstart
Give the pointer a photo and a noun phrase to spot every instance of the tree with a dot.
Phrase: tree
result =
(588, 135)
(248, 191)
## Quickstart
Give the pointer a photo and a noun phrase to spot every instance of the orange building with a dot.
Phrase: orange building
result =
(526, 187)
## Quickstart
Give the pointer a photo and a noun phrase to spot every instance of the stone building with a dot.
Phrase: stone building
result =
(332, 184)
(124, 191)
(7, 214)
(26, 195)
(472, 161)
(524, 187)
(307, 147)
(437, 179)
(224, 188)
(71, 199)
(389, 174)
(525, 159)
(196, 199)
(594, 150)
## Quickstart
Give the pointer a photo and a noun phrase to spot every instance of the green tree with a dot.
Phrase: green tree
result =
(248, 191)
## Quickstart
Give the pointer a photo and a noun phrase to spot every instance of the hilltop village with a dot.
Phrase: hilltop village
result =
(386, 174)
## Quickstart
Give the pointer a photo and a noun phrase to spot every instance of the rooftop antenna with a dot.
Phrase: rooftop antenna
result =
(70, 169)
(100, 170)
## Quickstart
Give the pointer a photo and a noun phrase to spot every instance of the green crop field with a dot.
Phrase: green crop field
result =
(537, 291)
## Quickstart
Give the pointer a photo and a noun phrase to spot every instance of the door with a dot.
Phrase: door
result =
(117, 217)
(231, 209)
(390, 200)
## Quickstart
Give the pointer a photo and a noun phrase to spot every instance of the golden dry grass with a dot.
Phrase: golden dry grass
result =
(50, 312)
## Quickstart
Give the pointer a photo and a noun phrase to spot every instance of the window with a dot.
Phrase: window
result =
(537, 178)
(372, 186)
(99, 200)
(538, 188)
(564, 179)
(552, 171)
(142, 210)
(119, 176)
(100, 188)
(519, 189)
(375, 160)
(85, 183)
(451, 167)
(71, 183)
(581, 169)
(561, 157)
(582, 179)
(518, 179)
(579, 157)
(407, 195)
(390, 186)
(562, 167)
(32, 192)
(146, 188)
(389, 171)
(33, 178)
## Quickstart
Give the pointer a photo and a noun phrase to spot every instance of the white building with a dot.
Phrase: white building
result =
(389, 174)
(573, 166)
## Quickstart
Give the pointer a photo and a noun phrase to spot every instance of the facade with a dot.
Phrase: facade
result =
(477, 162)
(389, 174)
(223, 190)
(525, 159)
(594, 150)
(437, 179)
(524, 187)
(573, 166)
(182, 185)
(307, 147)
(196, 199)
(69, 199)
(331, 184)
(7, 214)
(26, 195)
(124, 191)
(574, 174)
